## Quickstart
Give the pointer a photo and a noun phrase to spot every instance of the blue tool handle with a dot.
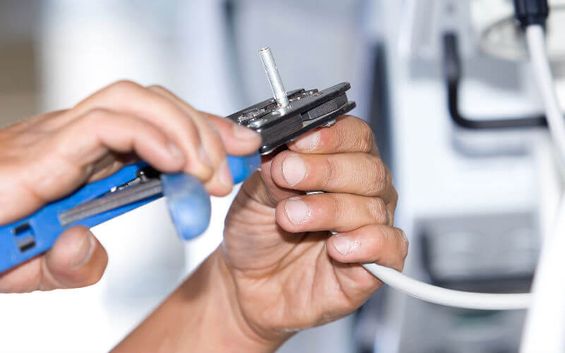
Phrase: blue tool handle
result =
(35, 234)
(242, 168)
(188, 203)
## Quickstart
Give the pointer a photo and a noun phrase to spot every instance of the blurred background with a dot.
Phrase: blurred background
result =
(473, 200)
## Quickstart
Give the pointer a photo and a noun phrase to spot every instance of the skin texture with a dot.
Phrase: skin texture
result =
(48, 156)
(279, 269)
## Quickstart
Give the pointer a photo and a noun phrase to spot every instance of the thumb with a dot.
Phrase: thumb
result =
(76, 260)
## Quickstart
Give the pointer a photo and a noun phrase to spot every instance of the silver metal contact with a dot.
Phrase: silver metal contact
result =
(274, 77)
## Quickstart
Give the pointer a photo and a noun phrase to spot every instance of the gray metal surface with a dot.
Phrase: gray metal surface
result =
(270, 66)
(112, 200)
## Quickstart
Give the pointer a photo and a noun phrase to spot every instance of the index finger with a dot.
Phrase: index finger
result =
(348, 134)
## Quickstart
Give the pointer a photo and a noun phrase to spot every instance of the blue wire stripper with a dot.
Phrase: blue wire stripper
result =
(131, 187)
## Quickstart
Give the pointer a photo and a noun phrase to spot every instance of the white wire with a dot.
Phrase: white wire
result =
(544, 330)
(448, 297)
(540, 64)
(486, 301)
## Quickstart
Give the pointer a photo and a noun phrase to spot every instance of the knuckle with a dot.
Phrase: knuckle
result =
(213, 134)
(203, 173)
(342, 137)
(377, 210)
(330, 168)
(161, 90)
(404, 243)
(94, 119)
(335, 205)
(214, 131)
(378, 175)
(367, 138)
(220, 150)
(123, 87)
(394, 196)
(390, 215)
(158, 88)
(380, 169)
(95, 115)
(378, 239)
(213, 146)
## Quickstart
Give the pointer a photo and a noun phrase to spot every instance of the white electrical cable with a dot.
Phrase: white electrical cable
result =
(448, 297)
(544, 330)
(486, 301)
(535, 37)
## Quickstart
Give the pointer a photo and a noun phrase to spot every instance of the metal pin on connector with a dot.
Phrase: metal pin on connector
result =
(274, 77)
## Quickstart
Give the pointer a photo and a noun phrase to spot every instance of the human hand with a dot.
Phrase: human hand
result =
(278, 269)
(287, 271)
(49, 156)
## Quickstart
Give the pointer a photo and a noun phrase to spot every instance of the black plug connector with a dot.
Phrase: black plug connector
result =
(531, 12)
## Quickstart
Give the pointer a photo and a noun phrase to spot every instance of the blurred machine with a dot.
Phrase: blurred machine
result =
(472, 164)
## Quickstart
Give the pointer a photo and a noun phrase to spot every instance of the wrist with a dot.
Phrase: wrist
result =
(202, 315)
(222, 313)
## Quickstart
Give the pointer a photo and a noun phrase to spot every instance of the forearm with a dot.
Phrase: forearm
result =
(200, 316)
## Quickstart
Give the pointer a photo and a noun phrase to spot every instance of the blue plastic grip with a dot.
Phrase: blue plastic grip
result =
(188, 203)
(241, 168)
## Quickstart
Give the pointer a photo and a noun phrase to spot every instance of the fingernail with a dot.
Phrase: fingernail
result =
(84, 250)
(175, 152)
(308, 143)
(203, 155)
(294, 170)
(343, 245)
(244, 133)
(224, 174)
(297, 210)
